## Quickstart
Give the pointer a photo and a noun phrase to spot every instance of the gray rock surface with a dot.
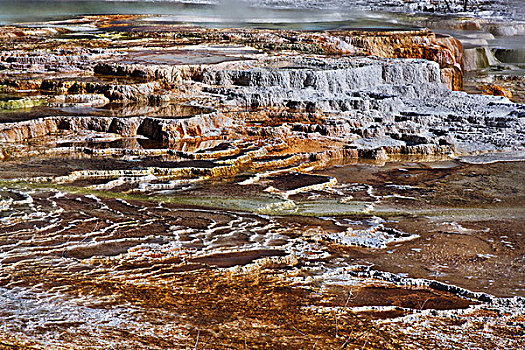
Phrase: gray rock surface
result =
(381, 99)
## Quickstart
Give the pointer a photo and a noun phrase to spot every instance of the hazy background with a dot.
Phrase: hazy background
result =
(262, 11)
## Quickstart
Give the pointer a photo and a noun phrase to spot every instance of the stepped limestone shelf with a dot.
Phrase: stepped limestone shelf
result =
(399, 105)
(155, 128)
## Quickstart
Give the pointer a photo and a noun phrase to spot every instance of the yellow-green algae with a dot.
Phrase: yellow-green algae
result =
(279, 206)
(21, 103)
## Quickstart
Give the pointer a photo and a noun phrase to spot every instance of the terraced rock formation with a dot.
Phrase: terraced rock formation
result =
(167, 186)
(358, 100)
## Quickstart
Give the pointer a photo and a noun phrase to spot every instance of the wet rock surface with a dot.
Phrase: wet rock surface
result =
(167, 186)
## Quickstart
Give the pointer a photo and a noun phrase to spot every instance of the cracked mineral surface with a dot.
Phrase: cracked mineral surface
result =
(191, 180)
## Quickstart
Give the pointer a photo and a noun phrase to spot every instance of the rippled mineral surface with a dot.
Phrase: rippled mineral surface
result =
(171, 183)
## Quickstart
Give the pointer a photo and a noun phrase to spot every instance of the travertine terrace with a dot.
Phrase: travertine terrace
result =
(166, 186)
